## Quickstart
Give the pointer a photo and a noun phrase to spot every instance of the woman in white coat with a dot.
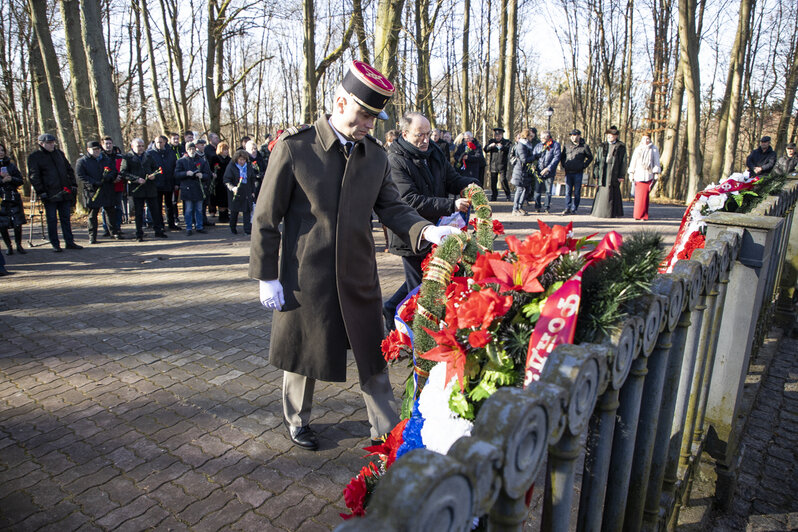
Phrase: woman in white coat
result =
(644, 170)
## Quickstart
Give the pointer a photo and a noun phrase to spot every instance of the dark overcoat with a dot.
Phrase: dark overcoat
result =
(327, 265)
(608, 202)
(98, 177)
(425, 185)
(241, 201)
(164, 160)
(132, 169)
(193, 187)
(11, 206)
(50, 173)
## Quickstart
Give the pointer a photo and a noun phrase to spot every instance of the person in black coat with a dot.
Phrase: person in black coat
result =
(161, 161)
(468, 155)
(575, 157)
(258, 164)
(788, 163)
(609, 171)
(12, 210)
(239, 180)
(219, 199)
(762, 159)
(143, 189)
(98, 173)
(425, 180)
(193, 174)
(53, 179)
(498, 149)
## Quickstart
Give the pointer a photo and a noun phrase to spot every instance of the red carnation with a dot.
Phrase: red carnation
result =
(482, 308)
(428, 257)
(498, 228)
(479, 338)
(391, 444)
(395, 345)
(471, 146)
(355, 496)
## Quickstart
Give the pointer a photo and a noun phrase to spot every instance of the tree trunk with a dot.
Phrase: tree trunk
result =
(41, 93)
(465, 117)
(626, 85)
(360, 31)
(156, 95)
(500, 70)
(211, 77)
(66, 131)
(735, 92)
(789, 99)
(85, 116)
(308, 62)
(688, 47)
(509, 69)
(140, 74)
(386, 45)
(671, 136)
(104, 90)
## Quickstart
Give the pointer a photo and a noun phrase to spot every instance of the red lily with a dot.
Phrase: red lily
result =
(449, 351)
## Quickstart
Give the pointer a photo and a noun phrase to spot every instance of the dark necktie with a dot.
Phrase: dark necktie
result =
(348, 148)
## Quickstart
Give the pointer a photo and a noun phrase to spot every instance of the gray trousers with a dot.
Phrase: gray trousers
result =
(377, 393)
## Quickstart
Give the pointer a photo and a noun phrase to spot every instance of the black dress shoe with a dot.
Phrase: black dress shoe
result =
(5, 272)
(56, 249)
(119, 236)
(107, 233)
(202, 231)
(161, 235)
(73, 246)
(10, 251)
(139, 239)
(233, 230)
(21, 250)
(303, 437)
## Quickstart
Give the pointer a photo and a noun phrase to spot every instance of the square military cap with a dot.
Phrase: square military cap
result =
(791, 146)
(368, 87)
(575, 132)
(46, 137)
(498, 130)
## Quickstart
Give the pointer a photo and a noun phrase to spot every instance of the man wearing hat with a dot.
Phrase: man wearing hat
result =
(98, 173)
(575, 158)
(788, 163)
(53, 179)
(322, 184)
(498, 150)
(762, 159)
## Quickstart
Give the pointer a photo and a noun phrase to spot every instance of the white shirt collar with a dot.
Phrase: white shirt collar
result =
(341, 138)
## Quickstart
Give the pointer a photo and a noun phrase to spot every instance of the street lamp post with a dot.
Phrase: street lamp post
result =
(549, 112)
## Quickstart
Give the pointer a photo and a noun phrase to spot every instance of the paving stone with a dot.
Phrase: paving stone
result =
(204, 506)
(124, 513)
(172, 497)
(95, 503)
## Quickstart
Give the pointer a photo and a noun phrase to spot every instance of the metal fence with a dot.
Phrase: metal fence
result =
(637, 411)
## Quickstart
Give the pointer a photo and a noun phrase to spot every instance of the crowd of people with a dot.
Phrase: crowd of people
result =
(148, 184)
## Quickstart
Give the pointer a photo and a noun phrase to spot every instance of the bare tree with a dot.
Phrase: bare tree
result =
(688, 47)
(52, 71)
(85, 115)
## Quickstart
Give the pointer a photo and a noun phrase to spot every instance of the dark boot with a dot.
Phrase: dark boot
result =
(18, 239)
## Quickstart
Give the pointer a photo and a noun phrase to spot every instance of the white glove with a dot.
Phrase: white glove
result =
(435, 234)
(271, 294)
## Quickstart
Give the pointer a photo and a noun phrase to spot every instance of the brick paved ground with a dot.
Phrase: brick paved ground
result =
(766, 497)
(135, 390)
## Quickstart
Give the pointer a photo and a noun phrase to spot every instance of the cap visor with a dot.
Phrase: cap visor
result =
(383, 115)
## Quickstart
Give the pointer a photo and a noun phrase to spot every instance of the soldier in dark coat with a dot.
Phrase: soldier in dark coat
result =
(194, 176)
(498, 150)
(239, 179)
(98, 173)
(161, 161)
(323, 183)
(53, 179)
(143, 189)
(12, 211)
(609, 170)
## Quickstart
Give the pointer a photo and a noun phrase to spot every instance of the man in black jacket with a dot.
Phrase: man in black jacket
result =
(498, 150)
(424, 179)
(98, 173)
(142, 188)
(53, 179)
(787, 164)
(162, 158)
(575, 158)
(762, 159)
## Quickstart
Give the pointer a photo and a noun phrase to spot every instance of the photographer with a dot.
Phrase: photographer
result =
(53, 179)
